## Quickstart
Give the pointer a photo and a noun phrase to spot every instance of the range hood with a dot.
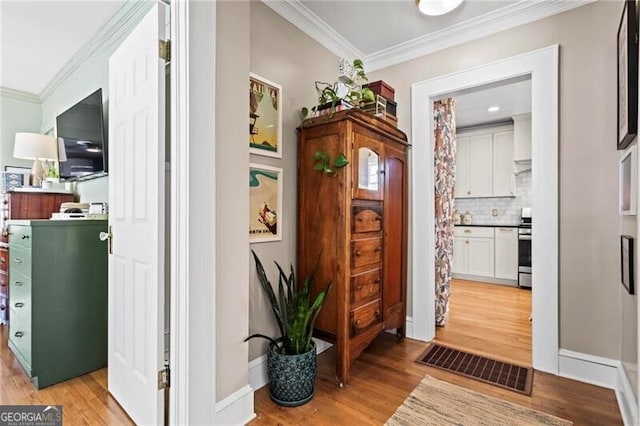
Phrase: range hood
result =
(522, 166)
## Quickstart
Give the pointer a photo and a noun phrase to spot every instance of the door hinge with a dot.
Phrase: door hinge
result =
(164, 378)
(165, 50)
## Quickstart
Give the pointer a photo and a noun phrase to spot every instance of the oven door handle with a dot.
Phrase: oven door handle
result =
(524, 237)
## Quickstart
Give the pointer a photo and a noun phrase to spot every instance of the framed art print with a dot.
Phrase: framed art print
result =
(265, 117)
(265, 203)
(627, 75)
(626, 263)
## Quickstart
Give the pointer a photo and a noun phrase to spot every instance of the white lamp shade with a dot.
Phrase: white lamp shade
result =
(34, 146)
(437, 7)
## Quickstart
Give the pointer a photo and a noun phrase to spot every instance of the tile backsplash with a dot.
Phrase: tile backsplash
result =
(508, 207)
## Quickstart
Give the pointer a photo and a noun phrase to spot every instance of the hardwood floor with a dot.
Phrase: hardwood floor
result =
(488, 319)
(84, 399)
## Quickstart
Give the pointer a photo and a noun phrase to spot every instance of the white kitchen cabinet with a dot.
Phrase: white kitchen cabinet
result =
(473, 251)
(504, 177)
(506, 253)
(522, 138)
(474, 166)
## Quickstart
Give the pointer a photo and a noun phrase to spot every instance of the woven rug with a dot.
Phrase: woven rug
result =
(434, 402)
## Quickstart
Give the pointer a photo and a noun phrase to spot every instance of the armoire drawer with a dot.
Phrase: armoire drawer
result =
(366, 285)
(366, 252)
(366, 316)
(366, 218)
(4, 285)
(4, 259)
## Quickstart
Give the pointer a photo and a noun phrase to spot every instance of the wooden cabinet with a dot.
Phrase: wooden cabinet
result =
(58, 285)
(473, 251)
(22, 205)
(484, 164)
(356, 222)
(506, 253)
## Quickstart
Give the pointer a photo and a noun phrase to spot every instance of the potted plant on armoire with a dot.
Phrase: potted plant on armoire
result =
(291, 358)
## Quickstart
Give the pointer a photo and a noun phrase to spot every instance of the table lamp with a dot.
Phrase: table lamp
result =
(36, 147)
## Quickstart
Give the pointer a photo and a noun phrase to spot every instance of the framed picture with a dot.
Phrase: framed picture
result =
(626, 263)
(627, 75)
(628, 178)
(265, 117)
(265, 203)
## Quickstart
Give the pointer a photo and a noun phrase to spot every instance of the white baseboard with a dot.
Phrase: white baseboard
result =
(408, 330)
(626, 398)
(588, 368)
(237, 408)
(258, 367)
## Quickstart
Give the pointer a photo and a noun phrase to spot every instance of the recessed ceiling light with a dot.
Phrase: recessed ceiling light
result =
(493, 109)
(437, 7)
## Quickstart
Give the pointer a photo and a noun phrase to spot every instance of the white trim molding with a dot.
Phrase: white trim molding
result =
(604, 372)
(507, 17)
(237, 408)
(19, 95)
(113, 31)
(311, 24)
(408, 328)
(258, 367)
(542, 66)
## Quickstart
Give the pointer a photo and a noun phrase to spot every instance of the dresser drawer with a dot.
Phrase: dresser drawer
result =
(20, 287)
(4, 259)
(473, 231)
(4, 285)
(366, 252)
(366, 219)
(366, 316)
(20, 332)
(20, 236)
(20, 261)
(365, 285)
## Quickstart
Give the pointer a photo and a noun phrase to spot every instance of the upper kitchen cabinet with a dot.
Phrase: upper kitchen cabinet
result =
(522, 141)
(484, 163)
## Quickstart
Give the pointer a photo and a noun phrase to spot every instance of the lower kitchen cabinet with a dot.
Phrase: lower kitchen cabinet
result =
(58, 286)
(506, 253)
(473, 251)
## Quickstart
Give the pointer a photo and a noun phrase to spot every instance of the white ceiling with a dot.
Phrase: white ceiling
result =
(38, 38)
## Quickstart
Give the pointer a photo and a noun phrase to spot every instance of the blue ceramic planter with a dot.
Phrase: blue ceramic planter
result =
(291, 377)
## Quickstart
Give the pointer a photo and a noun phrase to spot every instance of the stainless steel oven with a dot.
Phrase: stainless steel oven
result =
(524, 249)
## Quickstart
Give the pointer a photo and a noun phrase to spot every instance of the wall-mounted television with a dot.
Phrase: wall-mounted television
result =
(81, 129)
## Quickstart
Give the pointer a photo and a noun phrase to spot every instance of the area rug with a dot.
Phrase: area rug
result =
(514, 377)
(434, 402)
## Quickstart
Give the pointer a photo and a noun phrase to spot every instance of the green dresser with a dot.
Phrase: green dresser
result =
(58, 307)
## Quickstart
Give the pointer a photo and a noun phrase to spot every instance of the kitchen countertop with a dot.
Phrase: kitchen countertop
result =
(491, 225)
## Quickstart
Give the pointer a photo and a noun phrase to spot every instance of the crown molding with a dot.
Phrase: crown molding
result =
(309, 23)
(113, 31)
(19, 95)
(510, 16)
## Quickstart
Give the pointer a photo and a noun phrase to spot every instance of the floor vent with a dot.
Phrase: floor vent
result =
(509, 376)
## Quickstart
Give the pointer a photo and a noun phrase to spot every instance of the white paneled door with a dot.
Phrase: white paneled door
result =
(136, 218)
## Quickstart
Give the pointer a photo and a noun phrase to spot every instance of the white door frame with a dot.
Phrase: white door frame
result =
(193, 301)
(542, 65)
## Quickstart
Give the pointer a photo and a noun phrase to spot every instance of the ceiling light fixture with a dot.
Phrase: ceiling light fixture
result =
(493, 109)
(437, 7)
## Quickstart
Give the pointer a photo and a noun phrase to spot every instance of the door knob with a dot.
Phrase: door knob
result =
(108, 237)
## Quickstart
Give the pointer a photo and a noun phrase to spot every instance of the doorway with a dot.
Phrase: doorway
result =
(542, 65)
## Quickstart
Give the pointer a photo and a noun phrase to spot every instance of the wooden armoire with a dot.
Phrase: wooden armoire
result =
(355, 220)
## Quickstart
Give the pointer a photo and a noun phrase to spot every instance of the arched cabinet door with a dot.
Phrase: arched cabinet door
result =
(368, 167)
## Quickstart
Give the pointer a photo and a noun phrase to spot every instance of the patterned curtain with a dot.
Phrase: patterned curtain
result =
(444, 130)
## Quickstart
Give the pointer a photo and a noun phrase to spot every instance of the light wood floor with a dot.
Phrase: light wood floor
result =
(382, 378)
(84, 399)
(488, 319)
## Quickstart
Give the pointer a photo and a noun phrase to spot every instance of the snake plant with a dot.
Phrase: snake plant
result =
(293, 308)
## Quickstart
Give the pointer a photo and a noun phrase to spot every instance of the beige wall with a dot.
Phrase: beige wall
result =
(232, 196)
(283, 54)
(590, 320)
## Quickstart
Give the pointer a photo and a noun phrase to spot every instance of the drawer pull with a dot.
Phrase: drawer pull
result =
(378, 218)
(378, 249)
(359, 287)
(19, 333)
(3, 308)
(358, 322)
(18, 260)
(3, 260)
(19, 305)
(377, 313)
(467, 231)
(359, 219)
(358, 253)
(18, 283)
(3, 284)
(377, 281)
(466, 242)
(25, 237)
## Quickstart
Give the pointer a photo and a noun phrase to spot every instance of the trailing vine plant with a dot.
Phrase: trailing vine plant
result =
(323, 163)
